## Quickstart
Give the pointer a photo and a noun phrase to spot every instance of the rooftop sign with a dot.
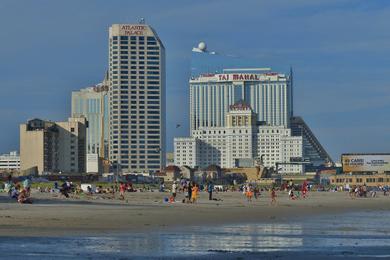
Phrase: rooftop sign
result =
(237, 77)
(128, 29)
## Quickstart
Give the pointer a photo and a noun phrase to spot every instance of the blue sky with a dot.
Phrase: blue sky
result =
(339, 50)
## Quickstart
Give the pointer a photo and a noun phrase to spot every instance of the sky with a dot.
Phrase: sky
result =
(339, 51)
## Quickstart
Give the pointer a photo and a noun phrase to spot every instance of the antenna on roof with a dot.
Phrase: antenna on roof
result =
(142, 20)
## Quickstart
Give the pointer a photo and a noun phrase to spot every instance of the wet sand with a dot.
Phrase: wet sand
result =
(141, 212)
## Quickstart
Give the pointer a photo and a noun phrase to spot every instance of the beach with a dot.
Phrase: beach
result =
(53, 216)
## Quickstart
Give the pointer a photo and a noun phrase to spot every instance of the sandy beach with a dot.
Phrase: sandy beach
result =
(144, 211)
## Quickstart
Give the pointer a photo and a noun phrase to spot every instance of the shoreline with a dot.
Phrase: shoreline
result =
(145, 212)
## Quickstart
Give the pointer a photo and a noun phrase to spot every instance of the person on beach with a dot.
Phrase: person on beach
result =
(9, 185)
(291, 194)
(89, 190)
(298, 194)
(174, 190)
(15, 191)
(23, 197)
(249, 193)
(385, 190)
(189, 191)
(162, 187)
(256, 192)
(122, 189)
(304, 189)
(64, 190)
(352, 194)
(273, 196)
(27, 185)
(210, 188)
(290, 184)
(194, 194)
(364, 190)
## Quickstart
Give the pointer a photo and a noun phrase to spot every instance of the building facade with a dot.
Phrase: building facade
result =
(92, 103)
(269, 94)
(52, 147)
(136, 98)
(242, 139)
(353, 180)
(10, 162)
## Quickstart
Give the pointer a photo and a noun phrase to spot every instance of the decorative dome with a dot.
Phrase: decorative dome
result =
(202, 46)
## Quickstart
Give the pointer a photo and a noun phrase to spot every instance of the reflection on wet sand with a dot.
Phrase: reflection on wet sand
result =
(355, 234)
(198, 241)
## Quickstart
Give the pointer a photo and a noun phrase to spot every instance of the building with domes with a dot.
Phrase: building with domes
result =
(243, 138)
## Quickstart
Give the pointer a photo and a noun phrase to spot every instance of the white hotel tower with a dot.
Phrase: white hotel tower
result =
(136, 98)
(269, 94)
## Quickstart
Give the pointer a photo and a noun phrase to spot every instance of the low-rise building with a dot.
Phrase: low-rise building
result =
(187, 172)
(172, 173)
(372, 180)
(10, 162)
(252, 174)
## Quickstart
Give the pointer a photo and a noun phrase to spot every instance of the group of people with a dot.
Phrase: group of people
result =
(18, 191)
(191, 191)
(359, 192)
(251, 191)
(296, 192)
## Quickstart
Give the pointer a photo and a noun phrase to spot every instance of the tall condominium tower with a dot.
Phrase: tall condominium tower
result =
(136, 98)
(268, 93)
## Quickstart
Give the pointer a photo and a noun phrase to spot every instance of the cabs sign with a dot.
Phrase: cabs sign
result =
(366, 162)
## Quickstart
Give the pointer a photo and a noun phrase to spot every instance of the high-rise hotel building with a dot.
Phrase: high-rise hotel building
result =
(136, 98)
(269, 94)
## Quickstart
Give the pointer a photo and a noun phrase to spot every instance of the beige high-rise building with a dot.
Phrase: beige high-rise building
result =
(51, 147)
(136, 98)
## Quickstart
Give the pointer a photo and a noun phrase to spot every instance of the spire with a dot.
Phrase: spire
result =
(292, 91)
(105, 80)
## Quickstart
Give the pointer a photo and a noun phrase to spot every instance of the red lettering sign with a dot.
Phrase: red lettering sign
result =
(239, 77)
(133, 29)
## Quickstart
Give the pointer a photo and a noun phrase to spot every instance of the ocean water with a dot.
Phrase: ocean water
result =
(357, 235)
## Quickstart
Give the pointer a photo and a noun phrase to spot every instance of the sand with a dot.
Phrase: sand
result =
(145, 211)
